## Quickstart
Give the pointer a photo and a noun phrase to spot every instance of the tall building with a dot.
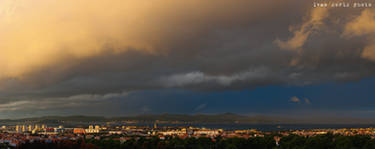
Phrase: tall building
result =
(23, 128)
(36, 127)
(155, 124)
(30, 128)
(18, 128)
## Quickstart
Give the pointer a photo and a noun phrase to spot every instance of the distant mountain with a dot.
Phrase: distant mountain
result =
(198, 118)
(149, 118)
(184, 118)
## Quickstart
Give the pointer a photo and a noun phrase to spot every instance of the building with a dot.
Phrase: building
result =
(36, 127)
(18, 128)
(97, 127)
(206, 132)
(92, 129)
(156, 124)
(30, 128)
(173, 132)
(23, 128)
(79, 131)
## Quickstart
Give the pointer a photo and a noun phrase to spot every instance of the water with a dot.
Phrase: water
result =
(266, 127)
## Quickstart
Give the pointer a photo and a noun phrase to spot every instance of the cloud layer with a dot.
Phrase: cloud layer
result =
(58, 49)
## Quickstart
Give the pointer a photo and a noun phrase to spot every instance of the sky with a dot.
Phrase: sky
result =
(126, 57)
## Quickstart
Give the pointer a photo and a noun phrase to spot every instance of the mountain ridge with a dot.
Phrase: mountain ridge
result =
(227, 118)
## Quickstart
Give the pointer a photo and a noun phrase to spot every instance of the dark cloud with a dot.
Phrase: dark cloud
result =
(197, 45)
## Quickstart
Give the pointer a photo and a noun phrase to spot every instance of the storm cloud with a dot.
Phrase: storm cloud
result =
(56, 49)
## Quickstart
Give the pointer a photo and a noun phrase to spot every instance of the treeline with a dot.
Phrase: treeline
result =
(64, 144)
(328, 141)
(189, 143)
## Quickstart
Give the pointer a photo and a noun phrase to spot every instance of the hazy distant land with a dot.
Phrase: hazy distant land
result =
(225, 118)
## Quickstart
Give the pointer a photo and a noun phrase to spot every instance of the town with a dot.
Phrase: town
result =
(18, 135)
